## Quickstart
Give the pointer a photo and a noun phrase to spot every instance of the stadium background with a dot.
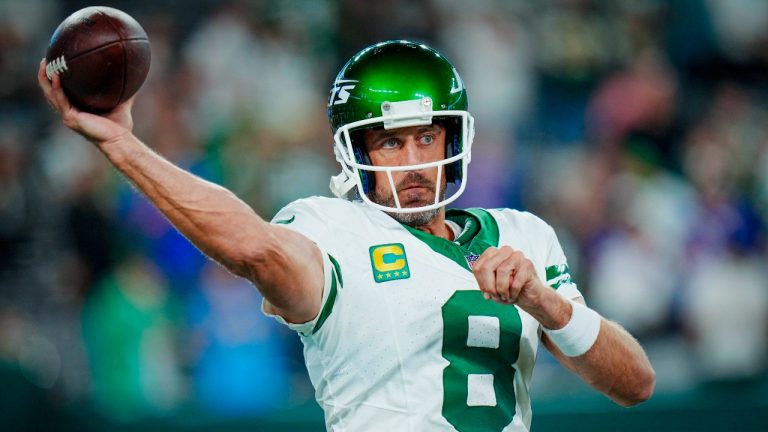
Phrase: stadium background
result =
(638, 129)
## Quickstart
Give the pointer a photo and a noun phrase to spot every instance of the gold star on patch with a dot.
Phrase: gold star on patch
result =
(405, 273)
(378, 276)
(389, 275)
(397, 274)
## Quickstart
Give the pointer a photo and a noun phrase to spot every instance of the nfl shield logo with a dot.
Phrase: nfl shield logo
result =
(471, 258)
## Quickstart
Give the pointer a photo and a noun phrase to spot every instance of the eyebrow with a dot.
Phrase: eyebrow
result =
(384, 133)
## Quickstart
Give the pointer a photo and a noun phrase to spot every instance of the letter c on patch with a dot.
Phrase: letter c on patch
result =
(389, 258)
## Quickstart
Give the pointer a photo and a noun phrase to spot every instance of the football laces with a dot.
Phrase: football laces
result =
(55, 66)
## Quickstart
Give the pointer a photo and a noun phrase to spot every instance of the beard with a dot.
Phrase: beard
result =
(416, 219)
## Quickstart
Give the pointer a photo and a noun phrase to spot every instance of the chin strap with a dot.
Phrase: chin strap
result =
(342, 184)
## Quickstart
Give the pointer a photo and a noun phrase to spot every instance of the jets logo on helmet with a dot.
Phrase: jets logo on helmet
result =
(340, 91)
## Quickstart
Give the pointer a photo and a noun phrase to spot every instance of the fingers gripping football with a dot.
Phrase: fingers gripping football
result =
(96, 128)
(53, 93)
(506, 276)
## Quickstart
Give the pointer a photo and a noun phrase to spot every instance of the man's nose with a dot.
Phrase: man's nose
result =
(412, 154)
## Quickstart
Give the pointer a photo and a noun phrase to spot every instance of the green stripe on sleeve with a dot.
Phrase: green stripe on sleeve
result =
(328, 306)
(564, 280)
(555, 271)
(558, 275)
(338, 270)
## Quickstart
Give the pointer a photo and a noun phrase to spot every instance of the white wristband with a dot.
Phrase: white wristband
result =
(578, 336)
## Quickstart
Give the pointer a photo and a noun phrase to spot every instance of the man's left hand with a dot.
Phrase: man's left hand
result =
(507, 276)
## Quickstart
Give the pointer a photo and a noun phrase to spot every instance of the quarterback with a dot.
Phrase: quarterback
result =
(414, 317)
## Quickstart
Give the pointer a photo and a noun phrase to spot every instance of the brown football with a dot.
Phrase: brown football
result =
(102, 56)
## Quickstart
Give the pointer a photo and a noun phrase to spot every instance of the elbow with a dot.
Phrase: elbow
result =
(247, 258)
(252, 259)
(641, 391)
(238, 261)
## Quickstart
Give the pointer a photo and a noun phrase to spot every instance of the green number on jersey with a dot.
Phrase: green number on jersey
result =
(477, 360)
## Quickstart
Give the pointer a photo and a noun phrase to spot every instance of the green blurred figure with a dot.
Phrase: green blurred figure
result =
(129, 335)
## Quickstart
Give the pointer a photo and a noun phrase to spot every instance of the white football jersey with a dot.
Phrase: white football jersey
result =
(405, 340)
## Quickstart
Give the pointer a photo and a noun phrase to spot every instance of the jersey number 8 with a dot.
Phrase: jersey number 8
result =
(481, 341)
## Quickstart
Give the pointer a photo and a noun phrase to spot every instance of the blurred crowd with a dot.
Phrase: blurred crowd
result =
(639, 130)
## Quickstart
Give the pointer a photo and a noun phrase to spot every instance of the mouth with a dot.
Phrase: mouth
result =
(414, 187)
(414, 195)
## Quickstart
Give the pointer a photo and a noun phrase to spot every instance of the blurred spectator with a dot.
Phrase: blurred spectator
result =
(726, 311)
(251, 71)
(362, 23)
(14, 200)
(131, 340)
(241, 367)
(23, 25)
(637, 104)
(741, 27)
(30, 366)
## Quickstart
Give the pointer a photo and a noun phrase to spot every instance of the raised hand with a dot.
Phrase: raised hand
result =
(507, 276)
(97, 128)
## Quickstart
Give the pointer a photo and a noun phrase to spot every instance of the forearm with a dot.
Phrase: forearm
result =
(615, 365)
(287, 267)
(210, 216)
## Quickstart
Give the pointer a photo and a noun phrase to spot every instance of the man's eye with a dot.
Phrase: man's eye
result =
(427, 139)
(389, 143)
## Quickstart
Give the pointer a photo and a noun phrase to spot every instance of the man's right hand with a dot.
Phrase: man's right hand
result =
(99, 129)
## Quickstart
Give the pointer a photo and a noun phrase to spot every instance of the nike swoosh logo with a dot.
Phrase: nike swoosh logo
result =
(286, 221)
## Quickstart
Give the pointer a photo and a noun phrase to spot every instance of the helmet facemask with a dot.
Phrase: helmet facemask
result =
(359, 173)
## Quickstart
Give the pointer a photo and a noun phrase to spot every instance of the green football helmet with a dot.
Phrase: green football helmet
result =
(398, 84)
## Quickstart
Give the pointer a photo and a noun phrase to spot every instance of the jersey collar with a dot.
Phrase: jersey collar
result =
(479, 232)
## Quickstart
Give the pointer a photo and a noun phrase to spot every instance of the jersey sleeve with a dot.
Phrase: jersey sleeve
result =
(526, 231)
(305, 218)
(330, 287)
(558, 275)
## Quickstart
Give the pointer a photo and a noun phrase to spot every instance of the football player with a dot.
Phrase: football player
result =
(413, 317)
